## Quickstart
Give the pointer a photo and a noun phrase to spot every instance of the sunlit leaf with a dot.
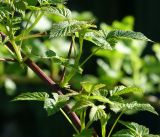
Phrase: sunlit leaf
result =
(97, 112)
(127, 34)
(59, 11)
(37, 96)
(133, 106)
(66, 28)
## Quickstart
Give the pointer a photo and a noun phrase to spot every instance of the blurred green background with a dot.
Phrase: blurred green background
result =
(133, 63)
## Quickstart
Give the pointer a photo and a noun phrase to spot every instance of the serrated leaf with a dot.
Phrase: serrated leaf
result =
(53, 105)
(85, 133)
(133, 106)
(124, 133)
(100, 99)
(66, 28)
(98, 38)
(59, 11)
(127, 90)
(37, 96)
(116, 89)
(100, 92)
(19, 6)
(136, 128)
(82, 104)
(97, 112)
(127, 34)
(43, 2)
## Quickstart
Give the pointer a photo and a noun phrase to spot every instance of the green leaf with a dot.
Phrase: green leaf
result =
(85, 133)
(43, 2)
(59, 11)
(98, 38)
(127, 34)
(5, 11)
(124, 133)
(53, 105)
(133, 106)
(19, 6)
(66, 28)
(116, 89)
(100, 92)
(100, 99)
(97, 112)
(87, 86)
(82, 104)
(127, 90)
(37, 96)
(50, 53)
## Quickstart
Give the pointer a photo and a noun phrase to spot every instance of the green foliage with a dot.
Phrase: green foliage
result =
(94, 101)
(132, 107)
(37, 96)
(133, 130)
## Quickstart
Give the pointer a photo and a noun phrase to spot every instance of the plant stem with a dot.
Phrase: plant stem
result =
(69, 121)
(17, 51)
(69, 55)
(34, 24)
(115, 123)
(73, 71)
(48, 81)
(82, 119)
(89, 56)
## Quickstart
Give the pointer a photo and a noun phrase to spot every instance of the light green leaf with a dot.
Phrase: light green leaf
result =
(100, 99)
(100, 92)
(98, 38)
(133, 106)
(82, 104)
(116, 89)
(43, 2)
(124, 133)
(138, 130)
(85, 133)
(97, 112)
(87, 86)
(37, 96)
(59, 11)
(127, 90)
(127, 34)
(66, 28)
(53, 105)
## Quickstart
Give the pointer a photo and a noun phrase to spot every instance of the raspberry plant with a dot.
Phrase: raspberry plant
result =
(93, 101)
